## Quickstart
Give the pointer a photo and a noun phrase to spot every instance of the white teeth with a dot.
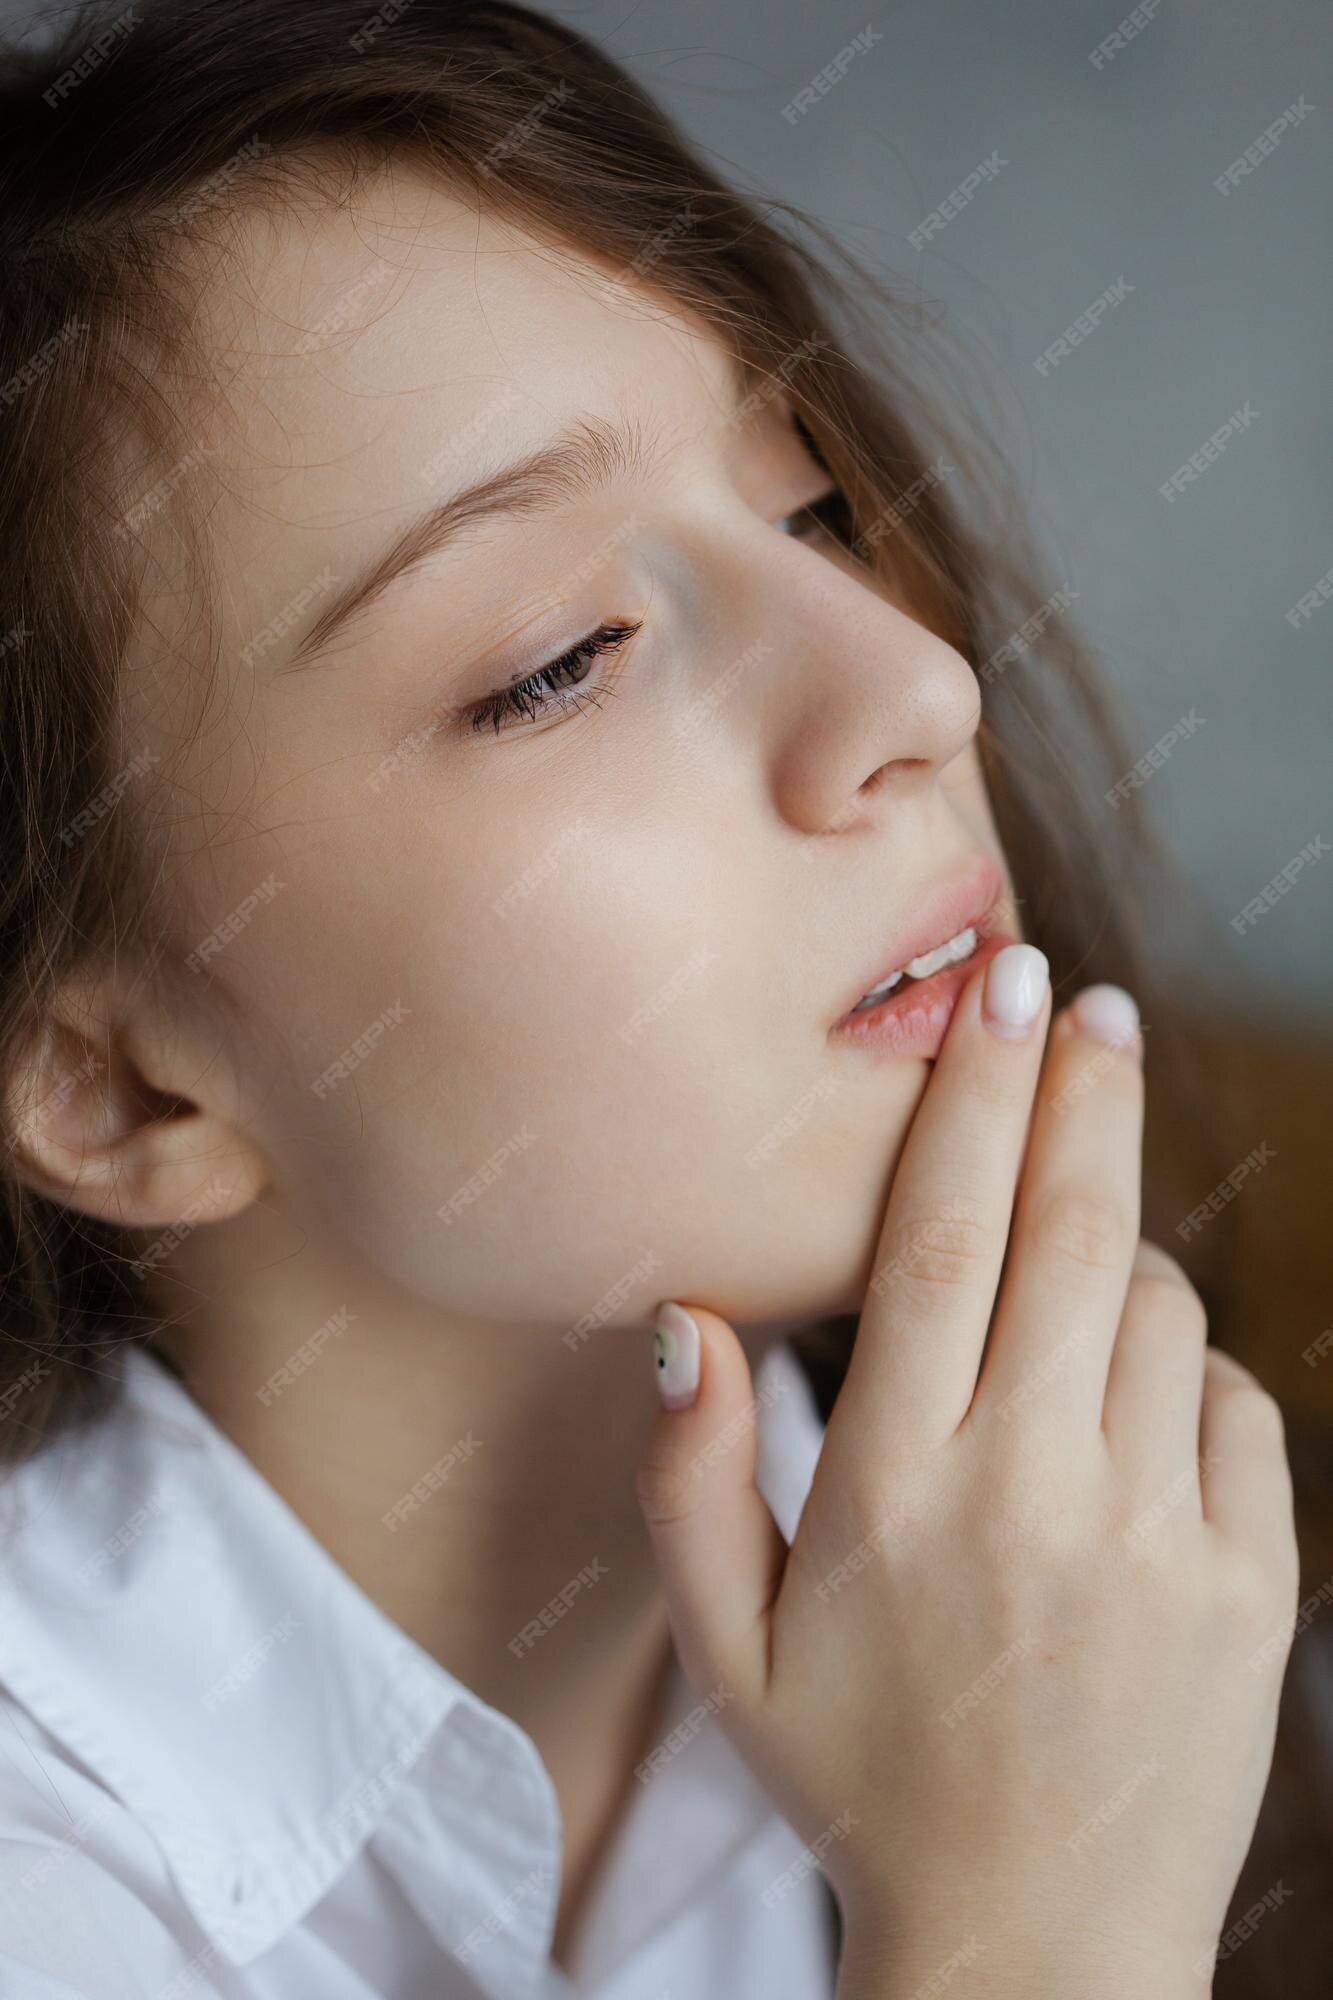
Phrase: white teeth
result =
(950, 953)
(946, 954)
(878, 992)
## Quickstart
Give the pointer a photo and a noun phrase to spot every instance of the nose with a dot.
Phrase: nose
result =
(867, 703)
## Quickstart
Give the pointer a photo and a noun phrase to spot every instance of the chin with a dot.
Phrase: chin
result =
(764, 1316)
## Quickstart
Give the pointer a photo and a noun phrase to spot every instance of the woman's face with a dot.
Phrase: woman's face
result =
(536, 1023)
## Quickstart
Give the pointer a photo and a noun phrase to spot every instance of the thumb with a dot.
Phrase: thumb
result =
(719, 1551)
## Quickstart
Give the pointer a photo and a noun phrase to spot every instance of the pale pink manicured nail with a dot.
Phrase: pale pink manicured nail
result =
(1107, 1014)
(1014, 991)
(676, 1356)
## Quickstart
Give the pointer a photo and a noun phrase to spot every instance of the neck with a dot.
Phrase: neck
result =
(464, 1473)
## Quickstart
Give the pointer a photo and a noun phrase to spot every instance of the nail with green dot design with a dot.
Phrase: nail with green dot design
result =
(676, 1356)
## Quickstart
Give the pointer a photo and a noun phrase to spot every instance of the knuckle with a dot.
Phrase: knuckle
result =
(667, 1489)
(1225, 1373)
(1025, 1516)
(882, 1513)
(1258, 1399)
(938, 1252)
(1147, 1552)
(1248, 1595)
(1147, 1520)
(1150, 1260)
(991, 1088)
(1170, 1302)
(1078, 1228)
(1247, 1399)
(1262, 1411)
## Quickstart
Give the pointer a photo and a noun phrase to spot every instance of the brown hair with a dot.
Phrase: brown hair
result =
(139, 139)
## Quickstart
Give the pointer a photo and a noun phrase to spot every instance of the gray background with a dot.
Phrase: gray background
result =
(1108, 173)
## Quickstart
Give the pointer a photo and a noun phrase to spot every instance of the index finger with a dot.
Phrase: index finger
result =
(937, 1265)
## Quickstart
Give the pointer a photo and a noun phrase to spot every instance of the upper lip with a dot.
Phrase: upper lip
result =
(955, 906)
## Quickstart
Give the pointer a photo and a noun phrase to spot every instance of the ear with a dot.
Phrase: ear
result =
(114, 1111)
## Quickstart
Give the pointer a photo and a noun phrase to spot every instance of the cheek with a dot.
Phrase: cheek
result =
(553, 1068)
(570, 1094)
(569, 1129)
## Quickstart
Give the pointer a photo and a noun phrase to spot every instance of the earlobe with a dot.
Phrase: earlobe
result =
(87, 1127)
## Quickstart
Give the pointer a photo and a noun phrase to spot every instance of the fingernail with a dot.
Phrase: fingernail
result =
(1014, 991)
(1107, 1014)
(676, 1356)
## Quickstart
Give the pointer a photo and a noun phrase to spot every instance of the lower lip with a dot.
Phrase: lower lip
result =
(914, 1021)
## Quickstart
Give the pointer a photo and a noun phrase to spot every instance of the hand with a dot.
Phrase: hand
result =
(1005, 1678)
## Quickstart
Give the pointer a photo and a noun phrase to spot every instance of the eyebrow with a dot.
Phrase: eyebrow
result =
(575, 463)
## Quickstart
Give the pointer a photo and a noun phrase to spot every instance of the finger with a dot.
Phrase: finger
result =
(1076, 1224)
(1154, 1388)
(1247, 1489)
(719, 1552)
(937, 1264)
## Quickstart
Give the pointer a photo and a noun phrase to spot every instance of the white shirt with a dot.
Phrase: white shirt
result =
(225, 1773)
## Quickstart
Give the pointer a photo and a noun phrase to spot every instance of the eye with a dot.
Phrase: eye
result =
(829, 515)
(549, 688)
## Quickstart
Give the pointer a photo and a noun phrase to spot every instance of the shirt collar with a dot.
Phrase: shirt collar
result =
(170, 1619)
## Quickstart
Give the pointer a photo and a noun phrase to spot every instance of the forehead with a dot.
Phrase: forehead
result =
(371, 357)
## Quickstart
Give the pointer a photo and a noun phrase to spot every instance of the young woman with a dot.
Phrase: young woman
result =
(546, 806)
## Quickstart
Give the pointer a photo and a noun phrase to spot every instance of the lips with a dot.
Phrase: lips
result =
(913, 1021)
(962, 904)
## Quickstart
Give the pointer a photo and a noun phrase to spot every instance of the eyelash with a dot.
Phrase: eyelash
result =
(537, 692)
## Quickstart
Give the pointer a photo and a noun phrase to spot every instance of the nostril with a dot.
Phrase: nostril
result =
(894, 767)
